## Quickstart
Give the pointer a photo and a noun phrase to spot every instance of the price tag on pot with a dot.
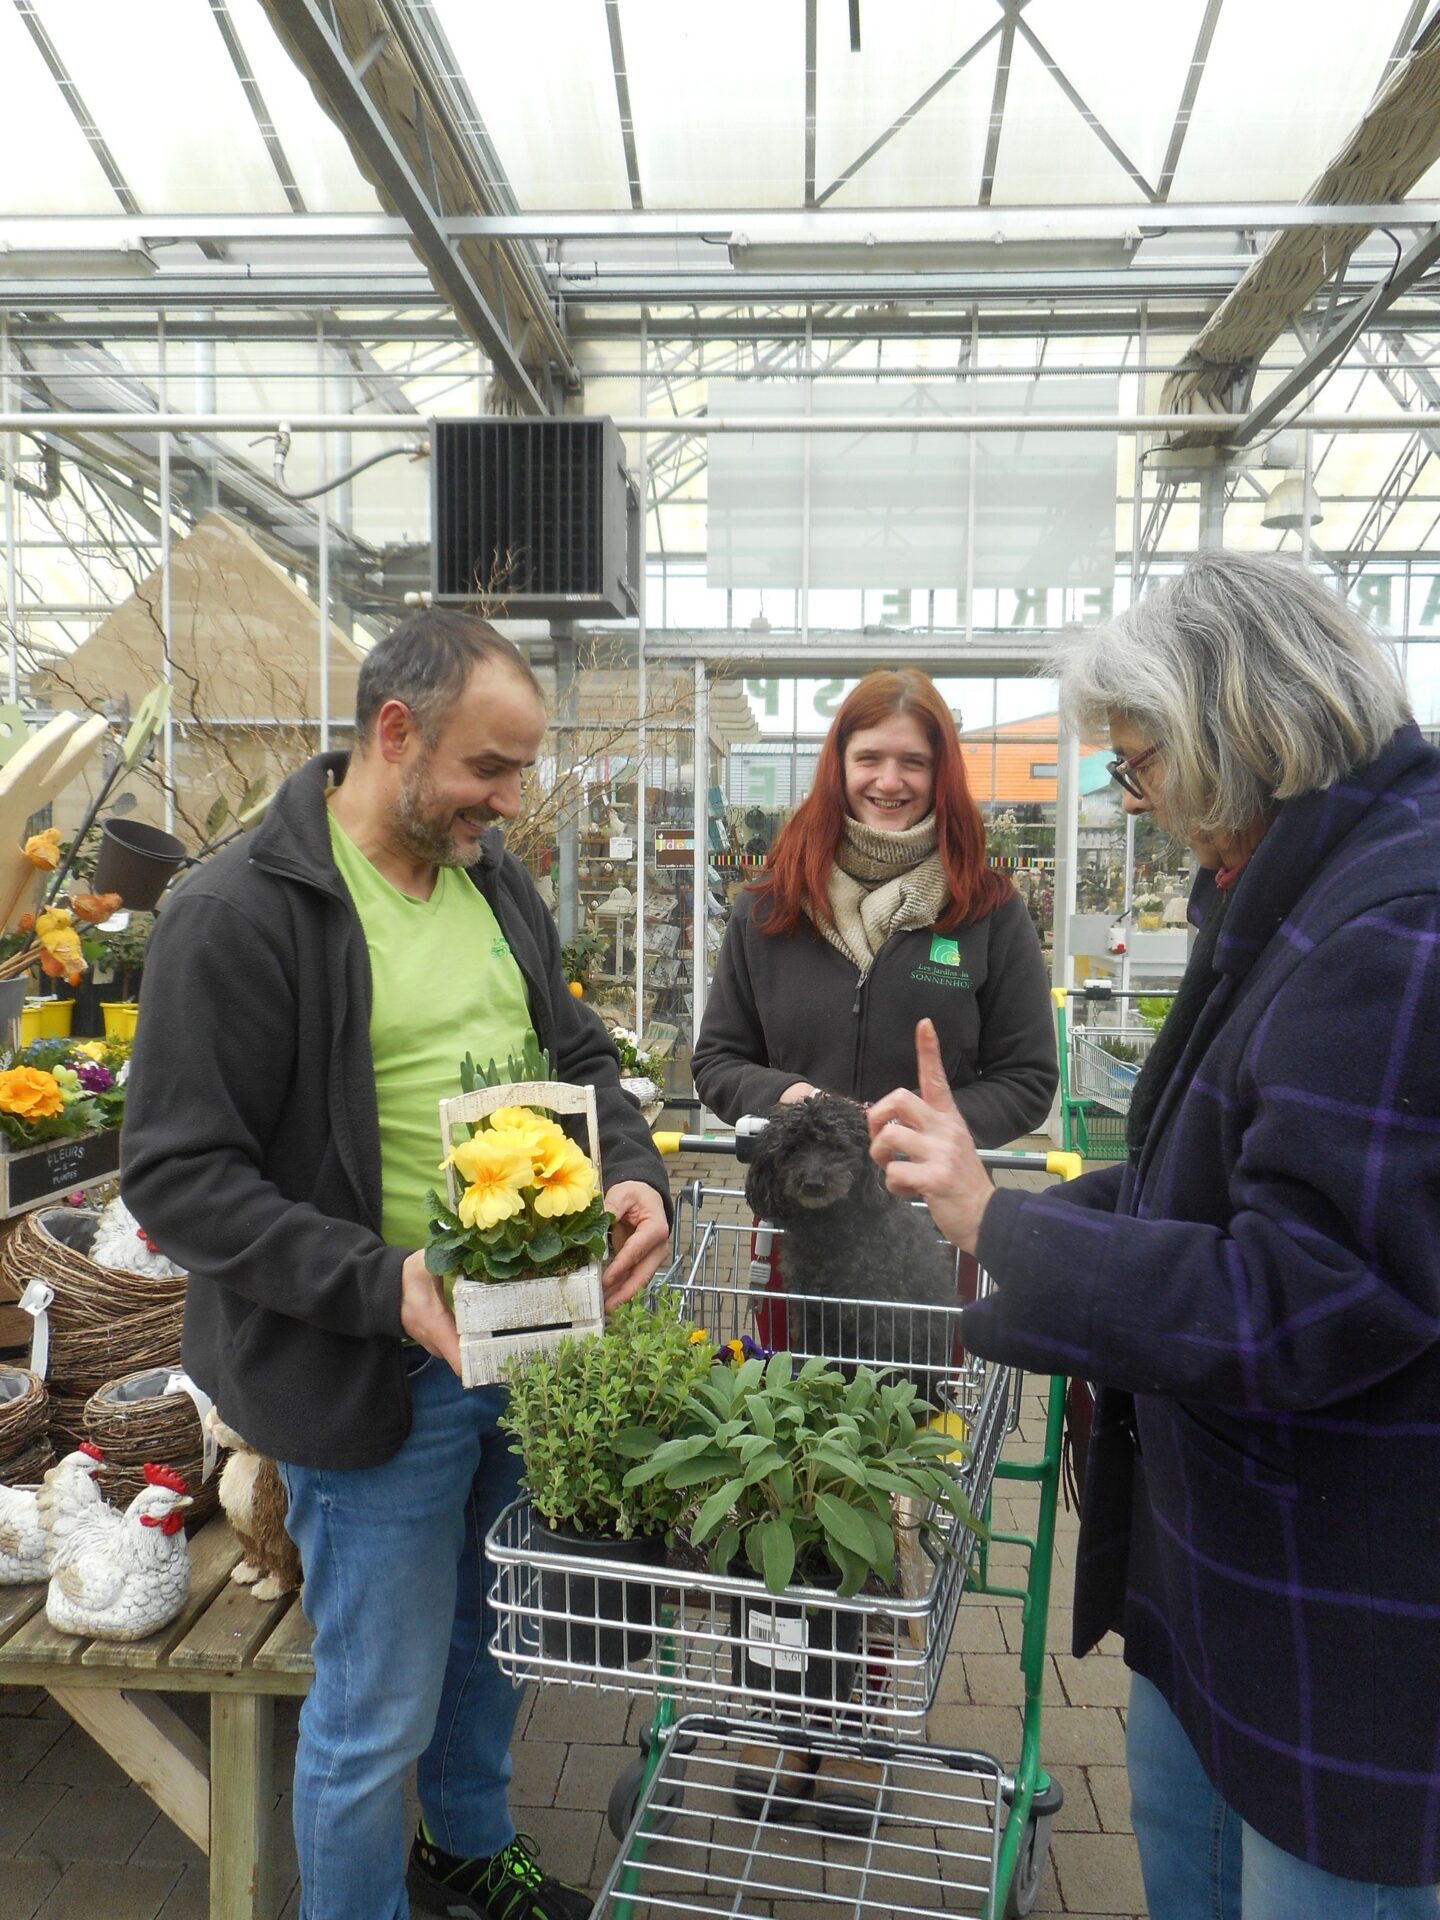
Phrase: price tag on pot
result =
(776, 1641)
(35, 1301)
(210, 1452)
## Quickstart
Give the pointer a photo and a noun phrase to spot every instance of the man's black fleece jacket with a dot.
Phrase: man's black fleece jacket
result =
(251, 1147)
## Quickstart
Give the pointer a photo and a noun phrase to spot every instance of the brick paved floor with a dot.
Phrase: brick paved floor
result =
(79, 1842)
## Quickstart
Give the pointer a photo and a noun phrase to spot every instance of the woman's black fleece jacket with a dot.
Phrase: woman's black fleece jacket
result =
(789, 1007)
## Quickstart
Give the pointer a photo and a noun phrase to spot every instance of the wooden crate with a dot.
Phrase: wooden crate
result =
(501, 1320)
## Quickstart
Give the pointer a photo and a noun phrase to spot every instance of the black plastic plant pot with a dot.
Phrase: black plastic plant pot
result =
(793, 1648)
(136, 861)
(595, 1621)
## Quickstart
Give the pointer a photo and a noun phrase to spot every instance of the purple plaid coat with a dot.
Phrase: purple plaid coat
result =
(1260, 1298)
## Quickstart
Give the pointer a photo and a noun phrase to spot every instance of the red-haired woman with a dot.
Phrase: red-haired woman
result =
(878, 910)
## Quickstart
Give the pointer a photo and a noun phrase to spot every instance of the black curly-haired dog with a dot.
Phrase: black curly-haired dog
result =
(848, 1242)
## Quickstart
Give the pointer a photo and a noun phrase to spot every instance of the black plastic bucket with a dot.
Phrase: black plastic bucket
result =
(789, 1647)
(591, 1620)
(136, 861)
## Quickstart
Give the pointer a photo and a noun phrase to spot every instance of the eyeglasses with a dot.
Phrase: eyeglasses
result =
(1123, 771)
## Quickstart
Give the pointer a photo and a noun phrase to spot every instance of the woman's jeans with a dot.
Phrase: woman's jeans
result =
(395, 1586)
(1201, 1861)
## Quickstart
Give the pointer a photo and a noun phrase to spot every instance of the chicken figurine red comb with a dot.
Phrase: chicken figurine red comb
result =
(163, 1477)
(89, 1446)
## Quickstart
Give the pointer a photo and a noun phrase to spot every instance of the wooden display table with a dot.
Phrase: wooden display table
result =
(240, 1651)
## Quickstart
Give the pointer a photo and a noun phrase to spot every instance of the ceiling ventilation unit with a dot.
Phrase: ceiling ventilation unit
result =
(535, 518)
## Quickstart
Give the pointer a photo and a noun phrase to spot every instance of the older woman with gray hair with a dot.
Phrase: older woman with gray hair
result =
(1256, 1290)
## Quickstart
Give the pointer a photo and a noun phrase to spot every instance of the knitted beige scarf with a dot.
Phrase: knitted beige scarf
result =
(883, 883)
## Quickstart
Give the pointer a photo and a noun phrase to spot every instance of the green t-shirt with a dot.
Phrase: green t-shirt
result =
(444, 983)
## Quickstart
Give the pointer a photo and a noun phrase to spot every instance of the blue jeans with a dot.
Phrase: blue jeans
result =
(395, 1587)
(1201, 1861)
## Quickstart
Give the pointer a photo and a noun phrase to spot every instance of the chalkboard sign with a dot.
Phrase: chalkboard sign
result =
(36, 1174)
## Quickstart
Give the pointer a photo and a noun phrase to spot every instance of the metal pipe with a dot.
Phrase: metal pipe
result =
(80, 232)
(696, 425)
(167, 629)
(12, 566)
(642, 685)
(322, 535)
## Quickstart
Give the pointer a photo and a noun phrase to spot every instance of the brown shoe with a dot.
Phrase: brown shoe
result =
(850, 1793)
(771, 1780)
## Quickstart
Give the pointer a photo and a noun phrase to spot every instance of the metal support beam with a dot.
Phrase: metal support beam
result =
(79, 232)
(1326, 420)
(997, 101)
(622, 101)
(279, 159)
(1193, 77)
(1408, 269)
(810, 85)
(306, 27)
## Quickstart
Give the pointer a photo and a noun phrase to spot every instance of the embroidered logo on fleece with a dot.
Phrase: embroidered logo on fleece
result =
(499, 947)
(943, 968)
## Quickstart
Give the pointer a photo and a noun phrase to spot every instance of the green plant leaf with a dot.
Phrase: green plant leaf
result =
(776, 1548)
(853, 1568)
(843, 1524)
(714, 1512)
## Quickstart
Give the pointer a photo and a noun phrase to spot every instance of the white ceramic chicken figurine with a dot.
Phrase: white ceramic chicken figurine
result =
(26, 1514)
(121, 1582)
(68, 1490)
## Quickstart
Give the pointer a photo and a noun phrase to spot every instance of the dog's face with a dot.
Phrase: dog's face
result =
(812, 1156)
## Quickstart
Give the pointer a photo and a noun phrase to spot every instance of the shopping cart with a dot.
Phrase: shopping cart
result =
(750, 1686)
(1099, 1065)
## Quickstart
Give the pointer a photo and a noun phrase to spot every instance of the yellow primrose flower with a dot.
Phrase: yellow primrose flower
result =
(92, 1049)
(495, 1170)
(522, 1123)
(564, 1182)
(697, 1336)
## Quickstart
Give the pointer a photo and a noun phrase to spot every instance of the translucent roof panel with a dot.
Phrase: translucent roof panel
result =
(543, 84)
(718, 98)
(325, 173)
(1282, 89)
(161, 87)
(71, 180)
(1128, 61)
(1044, 139)
(935, 157)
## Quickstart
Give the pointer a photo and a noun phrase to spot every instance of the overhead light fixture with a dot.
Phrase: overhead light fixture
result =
(131, 258)
(1285, 509)
(1015, 242)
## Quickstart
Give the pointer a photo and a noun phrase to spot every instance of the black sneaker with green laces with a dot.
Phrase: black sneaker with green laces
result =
(507, 1886)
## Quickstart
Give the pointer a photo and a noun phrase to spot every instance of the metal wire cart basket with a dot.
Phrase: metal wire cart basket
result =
(1100, 1060)
(751, 1688)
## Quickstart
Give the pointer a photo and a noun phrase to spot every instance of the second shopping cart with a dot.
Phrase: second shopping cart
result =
(757, 1692)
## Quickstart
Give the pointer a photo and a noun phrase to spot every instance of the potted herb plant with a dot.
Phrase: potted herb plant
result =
(581, 1417)
(522, 1231)
(794, 1469)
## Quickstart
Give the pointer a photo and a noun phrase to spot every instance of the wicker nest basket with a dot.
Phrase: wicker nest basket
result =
(136, 1419)
(25, 1451)
(104, 1323)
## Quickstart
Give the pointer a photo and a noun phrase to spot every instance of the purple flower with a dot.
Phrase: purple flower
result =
(94, 1078)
